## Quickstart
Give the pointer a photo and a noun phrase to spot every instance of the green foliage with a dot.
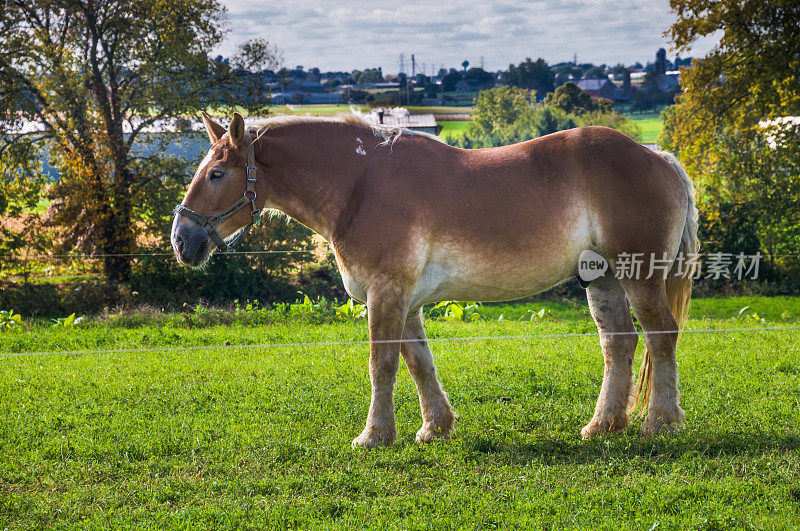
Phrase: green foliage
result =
(752, 73)
(110, 66)
(351, 311)
(455, 311)
(370, 75)
(256, 437)
(535, 76)
(571, 99)
(613, 120)
(69, 321)
(9, 319)
(747, 170)
(748, 183)
(505, 115)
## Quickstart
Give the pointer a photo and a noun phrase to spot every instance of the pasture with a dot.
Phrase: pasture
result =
(333, 109)
(181, 435)
(453, 128)
(650, 124)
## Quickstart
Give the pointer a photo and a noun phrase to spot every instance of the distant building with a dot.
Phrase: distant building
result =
(385, 85)
(670, 81)
(599, 88)
(661, 61)
(425, 123)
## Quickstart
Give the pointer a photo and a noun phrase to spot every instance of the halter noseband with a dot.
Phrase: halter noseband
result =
(209, 223)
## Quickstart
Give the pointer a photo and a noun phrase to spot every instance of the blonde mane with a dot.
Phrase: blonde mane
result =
(388, 133)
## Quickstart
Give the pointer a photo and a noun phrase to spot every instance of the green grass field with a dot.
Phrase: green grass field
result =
(453, 128)
(331, 110)
(650, 125)
(258, 438)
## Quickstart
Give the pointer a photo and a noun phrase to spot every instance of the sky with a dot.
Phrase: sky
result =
(347, 35)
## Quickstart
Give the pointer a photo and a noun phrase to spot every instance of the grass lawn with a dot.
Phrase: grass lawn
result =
(260, 437)
(650, 124)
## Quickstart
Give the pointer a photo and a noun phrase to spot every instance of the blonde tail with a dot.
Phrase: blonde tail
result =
(679, 285)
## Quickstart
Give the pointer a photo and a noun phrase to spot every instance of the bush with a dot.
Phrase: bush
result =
(506, 115)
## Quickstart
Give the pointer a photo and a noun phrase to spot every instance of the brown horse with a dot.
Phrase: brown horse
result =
(414, 221)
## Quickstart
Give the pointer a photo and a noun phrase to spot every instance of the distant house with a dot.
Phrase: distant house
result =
(599, 88)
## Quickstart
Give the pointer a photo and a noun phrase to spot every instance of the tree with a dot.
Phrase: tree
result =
(570, 98)
(752, 73)
(485, 78)
(92, 77)
(618, 70)
(450, 79)
(498, 108)
(531, 75)
(719, 129)
(595, 72)
(465, 64)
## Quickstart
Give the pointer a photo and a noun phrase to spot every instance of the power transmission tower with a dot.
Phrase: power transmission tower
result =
(482, 68)
(401, 66)
(413, 66)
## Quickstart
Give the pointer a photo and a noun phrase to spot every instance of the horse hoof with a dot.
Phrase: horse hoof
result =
(427, 434)
(372, 440)
(663, 422)
(602, 426)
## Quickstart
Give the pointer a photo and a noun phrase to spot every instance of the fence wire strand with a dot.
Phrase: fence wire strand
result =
(90, 257)
(312, 344)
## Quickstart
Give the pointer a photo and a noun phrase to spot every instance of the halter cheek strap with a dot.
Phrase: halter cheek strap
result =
(210, 223)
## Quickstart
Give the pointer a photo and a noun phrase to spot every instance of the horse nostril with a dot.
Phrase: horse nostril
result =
(179, 242)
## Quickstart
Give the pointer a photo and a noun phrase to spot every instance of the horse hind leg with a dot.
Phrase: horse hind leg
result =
(437, 413)
(618, 339)
(651, 307)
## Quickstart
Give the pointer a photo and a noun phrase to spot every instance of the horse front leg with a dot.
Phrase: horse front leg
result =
(437, 413)
(387, 312)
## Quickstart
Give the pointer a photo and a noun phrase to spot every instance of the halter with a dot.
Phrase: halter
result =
(209, 223)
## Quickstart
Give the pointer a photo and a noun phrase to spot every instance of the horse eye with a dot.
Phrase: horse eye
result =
(215, 174)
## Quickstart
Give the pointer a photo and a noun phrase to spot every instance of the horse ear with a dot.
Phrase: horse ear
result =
(236, 131)
(214, 130)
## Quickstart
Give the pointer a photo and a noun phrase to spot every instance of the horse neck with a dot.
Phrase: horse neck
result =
(311, 172)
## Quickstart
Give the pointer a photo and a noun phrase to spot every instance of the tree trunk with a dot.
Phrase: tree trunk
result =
(119, 239)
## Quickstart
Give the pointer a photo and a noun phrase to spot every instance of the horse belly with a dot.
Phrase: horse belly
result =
(468, 274)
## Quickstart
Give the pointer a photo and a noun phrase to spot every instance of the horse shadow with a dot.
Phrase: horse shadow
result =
(630, 445)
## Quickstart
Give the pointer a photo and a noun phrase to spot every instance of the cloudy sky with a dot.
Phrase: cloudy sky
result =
(346, 34)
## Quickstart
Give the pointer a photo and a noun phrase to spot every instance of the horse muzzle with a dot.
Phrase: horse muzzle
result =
(190, 242)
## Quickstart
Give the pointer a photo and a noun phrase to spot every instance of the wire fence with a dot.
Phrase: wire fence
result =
(169, 253)
(88, 257)
(348, 343)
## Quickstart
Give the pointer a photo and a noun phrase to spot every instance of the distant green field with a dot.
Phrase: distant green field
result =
(181, 436)
(650, 124)
(453, 128)
(330, 110)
